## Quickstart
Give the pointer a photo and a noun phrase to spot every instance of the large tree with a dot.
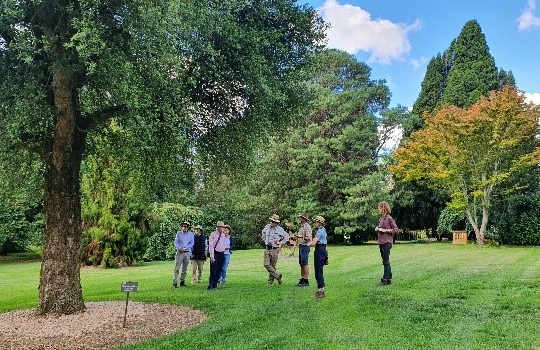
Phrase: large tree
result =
(327, 163)
(469, 153)
(187, 67)
(463, 73)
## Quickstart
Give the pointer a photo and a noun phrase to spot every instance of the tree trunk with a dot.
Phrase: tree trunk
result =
(60, 289)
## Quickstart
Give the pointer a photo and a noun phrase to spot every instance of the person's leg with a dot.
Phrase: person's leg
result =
(177, 263)
(226, 260)
(185, 263)
(268, 265)
(212, 280)
(218, 256)
(304, 269)
(274, 256)
(194, 270)
(319, 257)
(200, 265)
(385, 254)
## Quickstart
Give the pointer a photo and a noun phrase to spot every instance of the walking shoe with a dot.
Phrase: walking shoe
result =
(193, 280)
(182, 284)
(385, 282)
(319, 294)
(270, 283)
(304, 282)
(175, 285)
(279, 278)
(199, 281)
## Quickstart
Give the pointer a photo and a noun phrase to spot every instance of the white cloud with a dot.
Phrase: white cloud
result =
(353, 30)
(528, 19)
(533, 97)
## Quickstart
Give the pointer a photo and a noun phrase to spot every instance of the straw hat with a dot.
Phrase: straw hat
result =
(274, 218)
(319, 219)
(198, 227)
(220, 224)
(304, 216)
(187, 223)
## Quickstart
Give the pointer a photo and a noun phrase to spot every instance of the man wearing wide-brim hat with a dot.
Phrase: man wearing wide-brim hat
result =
(304, 237)
(183, 243)
(216, 247)
(273, 236)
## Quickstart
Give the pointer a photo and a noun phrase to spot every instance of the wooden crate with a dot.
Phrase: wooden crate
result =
(459, 237)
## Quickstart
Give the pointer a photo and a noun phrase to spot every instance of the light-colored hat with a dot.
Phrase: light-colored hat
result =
(227, 226)
(304, 215)
(220, 224)
(198, 227)
(274, 218)
(319, 219)
(187, 223)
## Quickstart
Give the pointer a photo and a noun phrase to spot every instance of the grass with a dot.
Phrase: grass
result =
(443, 296)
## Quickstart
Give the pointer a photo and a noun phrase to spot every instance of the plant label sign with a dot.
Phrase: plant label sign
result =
(129, 286)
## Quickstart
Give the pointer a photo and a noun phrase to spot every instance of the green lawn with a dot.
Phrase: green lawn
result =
(443, 296)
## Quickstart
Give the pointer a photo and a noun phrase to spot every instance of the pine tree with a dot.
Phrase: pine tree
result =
(473, 73)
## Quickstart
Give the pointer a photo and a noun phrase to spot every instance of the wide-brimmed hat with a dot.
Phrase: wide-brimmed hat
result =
(319, 219)
(304, 216)
(198, 227)
(187, 223)
(274, 218)
(227, 226)
(220, 224)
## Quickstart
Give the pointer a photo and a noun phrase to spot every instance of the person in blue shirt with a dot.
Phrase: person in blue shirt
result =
(227, 231)
(183, 243)
(321, 254)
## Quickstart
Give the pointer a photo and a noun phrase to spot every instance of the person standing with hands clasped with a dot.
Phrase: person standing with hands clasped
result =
(386, 230)
(273, 236)
(183, 243)
(321, 254)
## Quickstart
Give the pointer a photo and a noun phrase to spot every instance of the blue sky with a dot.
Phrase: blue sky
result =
(397, 38)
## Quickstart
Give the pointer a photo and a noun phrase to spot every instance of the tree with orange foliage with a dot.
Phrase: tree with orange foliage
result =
(468, 153)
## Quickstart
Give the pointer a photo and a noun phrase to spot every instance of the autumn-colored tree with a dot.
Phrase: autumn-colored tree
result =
(468, 153)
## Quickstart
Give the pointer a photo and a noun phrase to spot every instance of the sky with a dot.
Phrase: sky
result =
(397, 38)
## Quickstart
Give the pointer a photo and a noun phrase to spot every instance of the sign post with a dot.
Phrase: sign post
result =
(128, 287)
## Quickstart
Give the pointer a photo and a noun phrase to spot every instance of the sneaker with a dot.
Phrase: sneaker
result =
(279, 278)
(175, 285)
(270, 283)
(199, 281)
(385, 282)
(319, 294)
(193, 280)
(182, 284)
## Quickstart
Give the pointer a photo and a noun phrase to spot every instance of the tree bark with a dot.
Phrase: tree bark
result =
(60, 289)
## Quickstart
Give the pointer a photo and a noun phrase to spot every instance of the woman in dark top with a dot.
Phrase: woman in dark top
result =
(386, 230)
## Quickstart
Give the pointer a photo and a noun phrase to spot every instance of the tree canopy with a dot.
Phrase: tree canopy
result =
(468, 153)
(163, 70)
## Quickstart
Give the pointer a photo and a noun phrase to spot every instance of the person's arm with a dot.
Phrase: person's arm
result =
(191, 242)
(211, 246)
(177, 243)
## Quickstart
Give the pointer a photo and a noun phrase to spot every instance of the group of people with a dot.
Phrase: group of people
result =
(274, 236)
(197, 247)
(219, 245)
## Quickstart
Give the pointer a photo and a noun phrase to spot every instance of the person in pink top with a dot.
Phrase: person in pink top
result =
(217, 244)
(386, 230)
